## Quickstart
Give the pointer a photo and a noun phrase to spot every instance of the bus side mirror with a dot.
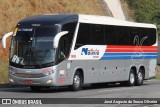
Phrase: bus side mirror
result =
(57, 38)
(4, 39)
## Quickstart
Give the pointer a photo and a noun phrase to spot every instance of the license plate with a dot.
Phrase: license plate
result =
(28, 81)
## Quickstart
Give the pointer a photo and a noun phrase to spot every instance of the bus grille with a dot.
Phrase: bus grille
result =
(29, 75)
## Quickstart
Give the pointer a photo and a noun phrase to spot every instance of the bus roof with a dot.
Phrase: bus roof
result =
(48, 19)
(51, 19)
(106, 20)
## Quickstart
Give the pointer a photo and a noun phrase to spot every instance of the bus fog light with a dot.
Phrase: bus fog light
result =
(11, 80)
(49, 81)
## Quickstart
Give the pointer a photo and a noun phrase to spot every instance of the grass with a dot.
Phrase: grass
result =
(158, 72)
(4, 71)
(158, 76)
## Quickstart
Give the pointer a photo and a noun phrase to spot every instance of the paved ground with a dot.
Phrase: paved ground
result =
(150, 89)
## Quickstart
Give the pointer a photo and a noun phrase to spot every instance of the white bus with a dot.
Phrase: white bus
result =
(72, 50)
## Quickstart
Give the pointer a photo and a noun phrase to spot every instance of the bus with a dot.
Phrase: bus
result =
(75, 49)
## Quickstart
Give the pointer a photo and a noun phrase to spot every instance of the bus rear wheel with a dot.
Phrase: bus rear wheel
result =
(140, 77)
(77, 81)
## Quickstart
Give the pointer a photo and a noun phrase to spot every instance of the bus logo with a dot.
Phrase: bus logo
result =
(86, 51)
(138, 52)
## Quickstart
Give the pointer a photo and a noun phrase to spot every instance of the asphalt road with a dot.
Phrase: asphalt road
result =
(150, 89)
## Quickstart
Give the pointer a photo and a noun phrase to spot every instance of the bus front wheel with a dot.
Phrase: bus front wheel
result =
(77, 81)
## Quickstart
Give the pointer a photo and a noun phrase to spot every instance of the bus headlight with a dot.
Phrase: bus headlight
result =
(48, 73)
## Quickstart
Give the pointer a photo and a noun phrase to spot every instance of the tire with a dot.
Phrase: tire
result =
(140, 77)
(131, 80)
(35, 88)
(77, 82)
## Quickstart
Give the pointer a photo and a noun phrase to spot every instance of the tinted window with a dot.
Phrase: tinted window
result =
(62, 49)
(65, 41)
(114, 35)
(97, 34)
(133, 36)
(148, 37)
(24, 35)
(46, 31)
(70, 27)
(83, 36)
(123, 36)
(90, 34)
(110, 35)
(143, 36)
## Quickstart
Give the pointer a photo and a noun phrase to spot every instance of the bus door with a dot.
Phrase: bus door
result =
(62, 54)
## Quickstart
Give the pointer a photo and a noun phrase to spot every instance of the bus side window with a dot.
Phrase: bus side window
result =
(149, 36)
(146, 36)
(152, 36)
(123, 36)
(70, 27)
(98, 35)
(134, 35)
(83, 36)
(62, 50)
(110, 35)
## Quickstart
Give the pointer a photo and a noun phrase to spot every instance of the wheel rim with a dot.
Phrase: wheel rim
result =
(140, 77)
(132, 79)
(76, 81)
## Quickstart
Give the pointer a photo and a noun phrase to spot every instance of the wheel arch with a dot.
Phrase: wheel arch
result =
(80, 70)
(135, 70)
(143, 69)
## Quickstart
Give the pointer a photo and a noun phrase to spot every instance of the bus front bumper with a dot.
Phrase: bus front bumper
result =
(49, 80)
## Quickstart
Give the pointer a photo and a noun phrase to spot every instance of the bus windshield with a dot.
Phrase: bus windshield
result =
(33, 46)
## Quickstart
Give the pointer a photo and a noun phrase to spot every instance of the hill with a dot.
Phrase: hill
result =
(146, 11)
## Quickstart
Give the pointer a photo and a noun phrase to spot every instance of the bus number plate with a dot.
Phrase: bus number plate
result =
(28, 81)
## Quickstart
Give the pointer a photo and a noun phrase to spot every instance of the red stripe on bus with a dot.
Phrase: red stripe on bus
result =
(119, 46)
(131, 49)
